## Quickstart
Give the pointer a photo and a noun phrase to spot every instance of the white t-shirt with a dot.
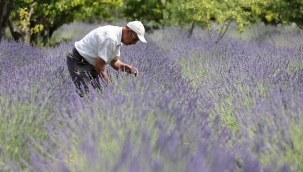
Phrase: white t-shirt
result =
(103, 42)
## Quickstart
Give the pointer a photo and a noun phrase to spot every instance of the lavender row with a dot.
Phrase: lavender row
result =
(158, 121)
(256, 87)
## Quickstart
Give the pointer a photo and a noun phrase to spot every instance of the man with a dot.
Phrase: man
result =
(87, 60)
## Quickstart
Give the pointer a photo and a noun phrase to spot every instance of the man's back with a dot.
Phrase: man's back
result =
(91, 45)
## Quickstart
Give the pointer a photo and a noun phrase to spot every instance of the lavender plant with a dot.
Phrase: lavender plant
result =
(243, 75)
(196, 106)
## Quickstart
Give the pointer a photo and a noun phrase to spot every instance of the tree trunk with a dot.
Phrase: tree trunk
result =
(51, 31)
(190, 33)
(25, 30)
(44, 36)
(3, 6)
(16, 35)
(60, 21)
(34, 39)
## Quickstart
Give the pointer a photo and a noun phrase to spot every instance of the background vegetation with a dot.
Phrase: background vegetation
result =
(34, 21)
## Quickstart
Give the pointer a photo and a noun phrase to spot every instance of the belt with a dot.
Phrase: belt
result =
(76, 56)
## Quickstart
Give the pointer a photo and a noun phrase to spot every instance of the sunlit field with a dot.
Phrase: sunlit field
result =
(196, 106)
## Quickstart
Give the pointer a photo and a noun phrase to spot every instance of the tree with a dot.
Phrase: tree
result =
(283, 12)
(206, 12)
(9, 8)
(6, 8)
(174, 16)
(147, 11)
(35, 18)
(4, 12)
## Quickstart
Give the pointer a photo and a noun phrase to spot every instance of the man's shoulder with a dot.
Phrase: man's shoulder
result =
(109, 28)
(112, 33)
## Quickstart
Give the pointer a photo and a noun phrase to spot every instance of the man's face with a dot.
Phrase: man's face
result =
(130, 38)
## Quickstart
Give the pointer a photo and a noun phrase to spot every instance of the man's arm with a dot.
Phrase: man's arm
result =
(117, 64)
(100, 69)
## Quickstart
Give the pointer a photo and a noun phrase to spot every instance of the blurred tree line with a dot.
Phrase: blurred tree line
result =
(34, 21)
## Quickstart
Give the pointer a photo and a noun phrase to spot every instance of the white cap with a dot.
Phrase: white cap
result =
(137, 27)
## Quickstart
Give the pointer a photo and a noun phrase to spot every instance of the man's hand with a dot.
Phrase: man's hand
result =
(100, 69)
(134, 71)
(117, 64)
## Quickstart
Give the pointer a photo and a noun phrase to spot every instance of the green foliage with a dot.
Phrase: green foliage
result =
(46, 16)
(78, 9)
(206, 11)
(174, 16)
(147, 11)
(283, 11)
(244, 13)
(24, 21)
(37, 28)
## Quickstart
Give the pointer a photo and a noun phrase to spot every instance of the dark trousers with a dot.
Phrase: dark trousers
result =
(82, 72)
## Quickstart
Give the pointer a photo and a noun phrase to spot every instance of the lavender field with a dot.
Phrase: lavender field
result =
(195, 107)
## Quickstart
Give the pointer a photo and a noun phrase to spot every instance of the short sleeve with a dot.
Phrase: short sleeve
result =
(117, 55)
(106, 50)
(116, 58)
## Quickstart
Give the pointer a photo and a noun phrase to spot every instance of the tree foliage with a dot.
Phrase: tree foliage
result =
(244, 12)
(283, 12)
(29, 20)
(36, 18)
(205, 12)
(147, 11)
